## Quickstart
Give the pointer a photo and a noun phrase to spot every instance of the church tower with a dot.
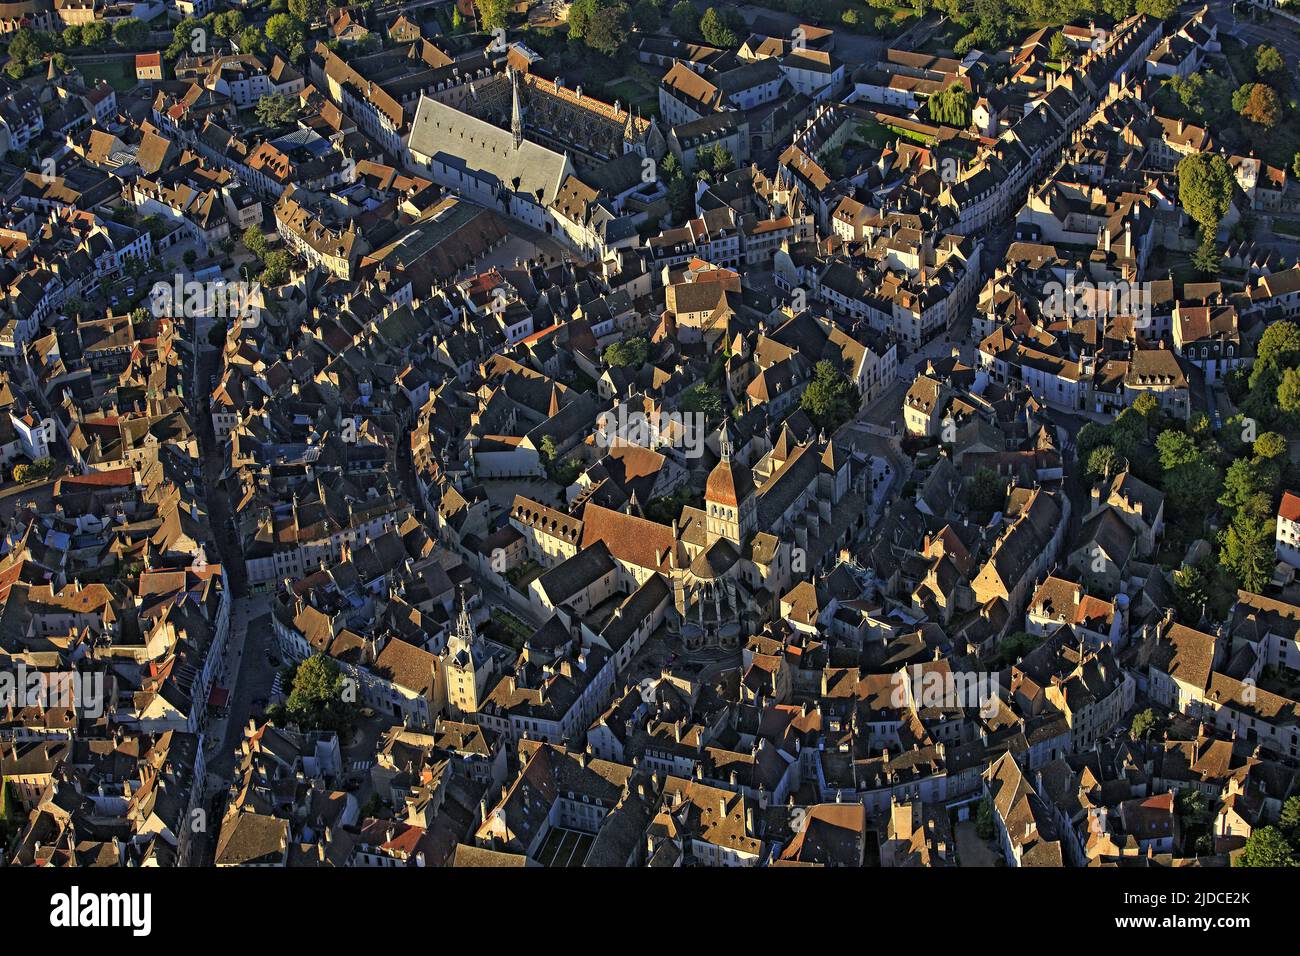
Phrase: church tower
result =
(516, 109)
(466, 666)
(731, 510)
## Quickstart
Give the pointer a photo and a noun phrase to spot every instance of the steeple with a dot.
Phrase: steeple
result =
(516, 109)
(729, 496)
(464, 629)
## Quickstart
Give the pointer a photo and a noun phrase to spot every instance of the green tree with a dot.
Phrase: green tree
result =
(26, 47)
(645, 17)
(951, 107)
(1288, 391)
(130, 32)
(1118, 9)
(251, 40)
(1270, 446)
(717, 31)
(1289, 820)
(988, 491)
(256, 242)
(830, 399)
(681, 198)
(1015, 646)
(1176, 448)
(276, 268)
(607, 29)
(277, 110)
(684, 20)
(702, 398)
(305, 10)
(182, 38)
(1148, 406)
(1269, 64)
(1205, 187)
(1145, 724)
(1191, 592)
(322, 697)
(494, 14)
(1279, 345)
(286, 30)
(1193, 808)
(1105, 462)
(1091, 436)
(1207, 258)
(1205, 95)
(1246, 478)
(633, 351)
(228, 24)
(1058, 47)
(1266, 846)
(37, 470)
(1247, 544)
(95, 33)
(714, 162)
(72, 36)
(1160, 9)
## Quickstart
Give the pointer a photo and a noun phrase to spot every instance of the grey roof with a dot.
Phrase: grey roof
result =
(486, 151)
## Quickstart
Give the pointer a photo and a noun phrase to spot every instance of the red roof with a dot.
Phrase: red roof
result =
(147, 60)
(1290, 507)
(114, 476)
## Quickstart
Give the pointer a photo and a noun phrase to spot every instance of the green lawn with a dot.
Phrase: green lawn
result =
(635, 92)
(120, 74)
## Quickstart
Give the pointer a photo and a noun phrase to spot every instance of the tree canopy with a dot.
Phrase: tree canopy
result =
(719, 27)
(1266, 846)
(633, 351)
(276, 109)
(830, 399)
(684, 20)
(1205, 187)
(286, 30)
(951, 107)
(319, 698)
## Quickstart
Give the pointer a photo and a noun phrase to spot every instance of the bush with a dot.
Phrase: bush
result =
(36, 471)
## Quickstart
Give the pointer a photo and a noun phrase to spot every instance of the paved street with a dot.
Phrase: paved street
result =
(1278, 31)
(247, 676)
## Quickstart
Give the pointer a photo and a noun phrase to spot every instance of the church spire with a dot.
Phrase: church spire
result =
(516, 109)
(464, 629)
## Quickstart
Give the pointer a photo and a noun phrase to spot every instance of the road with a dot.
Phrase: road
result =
(1278, 32)
(248, 676)
(246, 672)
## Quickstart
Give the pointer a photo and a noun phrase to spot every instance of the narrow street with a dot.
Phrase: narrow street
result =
(248, 676)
